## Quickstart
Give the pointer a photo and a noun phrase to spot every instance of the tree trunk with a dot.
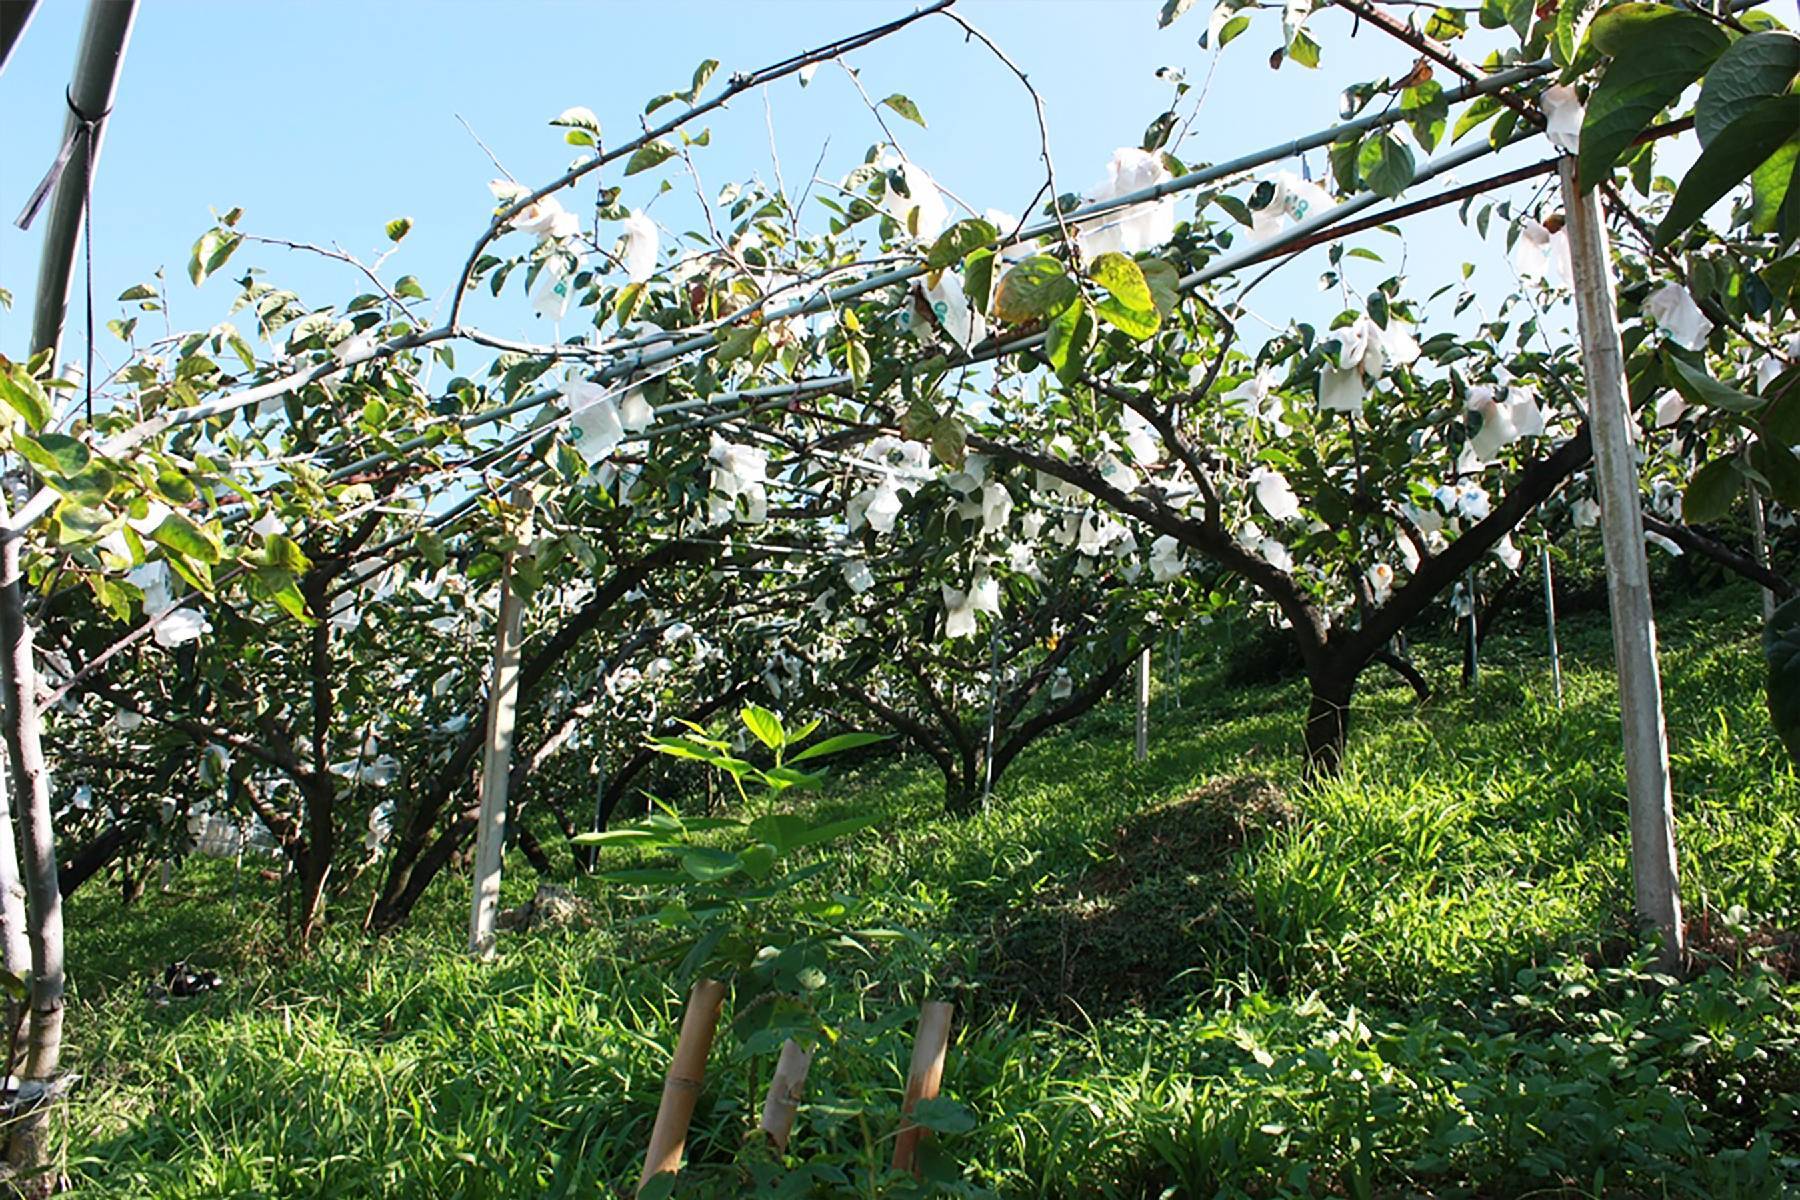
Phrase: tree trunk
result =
(312, 859)
(28, 1148)
(1328, 720)
(963, 778)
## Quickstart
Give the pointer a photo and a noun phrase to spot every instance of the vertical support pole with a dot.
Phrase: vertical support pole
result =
(681, 1086)
(1550, 621)
(1759, 546)
(600, 792)
(1175, 671)
(1143, 704)
(785, 1089)
(924, 1077)
(104, 36)
(15, 949)
(1472, 646)
(496, 766)
(1653, 865)
(987, 759)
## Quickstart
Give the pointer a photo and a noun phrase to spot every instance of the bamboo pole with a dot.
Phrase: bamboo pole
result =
(1653, 864)
(1550, 621)
(681, 1086)
(1143, 704)
(987, 758)
(783, 1100)
(923, 1078)
(1472, 644)
(104, 37)
(496, 768)
(1759, 547)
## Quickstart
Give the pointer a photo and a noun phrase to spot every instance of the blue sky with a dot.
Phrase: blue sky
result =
(324, 120)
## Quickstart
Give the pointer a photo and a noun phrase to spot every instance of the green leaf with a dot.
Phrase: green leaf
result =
(1037, 287)
(1156, 134)
(1711, 490)
(211, 252)
(702, 76)
(905, 108)
(949, 441)
(958, 241)
(1499, 14)
(184, 537)
(831, 831)
(14, 985)
(25, 396)
(1164, 282)
(1172, 11)
(620, 837)
(1123, 279)
(1232, 28)
(978, 279)
(138, 291)
(1385, 164)
(1698, 387)
(650, 154)
(398, 228)
(1752, 69)
(1572, 21)
(1757, 133)
(765, 725)
(408, 288)
(1071, 339)
(1656, 53)
(942, 1115)
(577, 118)
(1303, 50)
(837, 745)
(708, 864)
(1771, 186)
(1129, 306)
(284, 553)
(54, 453)
(1778, 464)
(1426, 112)
(1781, 650)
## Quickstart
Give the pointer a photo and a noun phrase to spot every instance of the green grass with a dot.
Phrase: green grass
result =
(1187, 978)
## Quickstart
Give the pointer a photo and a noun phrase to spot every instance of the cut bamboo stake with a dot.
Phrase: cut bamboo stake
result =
(496, 766)
(1759, 546)
(1653, 865)
(1550, 621)
(681, 1087)
(1472, 646)
(1143, 704)
(783, 1100)
(924, 1076)
(987, 758)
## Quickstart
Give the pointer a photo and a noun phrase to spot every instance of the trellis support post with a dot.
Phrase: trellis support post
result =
(1653, 864)
(1143, 704)
(496, 767)
(1550, 621)
(1759, 546)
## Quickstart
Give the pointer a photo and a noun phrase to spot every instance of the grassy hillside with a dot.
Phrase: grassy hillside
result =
(1188, 978)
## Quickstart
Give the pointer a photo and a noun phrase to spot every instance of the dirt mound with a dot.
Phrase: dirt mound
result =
(1130, 930)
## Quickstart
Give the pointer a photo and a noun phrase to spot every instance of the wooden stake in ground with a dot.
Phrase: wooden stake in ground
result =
(496, 767)
(924, 1076)
(1759, 547)
(681, 1087)
(1550, 620)
(1143, 704)
(1627, 574)
(783, 1100)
